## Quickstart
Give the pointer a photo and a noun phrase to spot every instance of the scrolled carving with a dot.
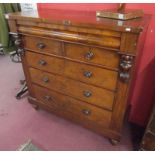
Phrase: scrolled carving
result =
(18, 43)
(124, 76)
(127, 57)
(125, 66)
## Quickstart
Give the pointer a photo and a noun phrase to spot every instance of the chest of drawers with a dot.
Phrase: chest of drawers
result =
(78, 66)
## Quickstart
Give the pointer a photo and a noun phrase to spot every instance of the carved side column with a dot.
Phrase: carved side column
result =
(125, 66)
(20, 53)
(18, 43)
(125, 70)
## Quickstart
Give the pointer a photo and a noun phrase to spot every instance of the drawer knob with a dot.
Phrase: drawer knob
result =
(87, 93)
(45, 79)
(41, 46)
(42, 62)
(89, 55)
(87, 74)
(47, 98)
(86, 111)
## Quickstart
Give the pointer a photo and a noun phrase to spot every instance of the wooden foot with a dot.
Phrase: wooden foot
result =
(113, 141)
(33, 102)
(36, 107)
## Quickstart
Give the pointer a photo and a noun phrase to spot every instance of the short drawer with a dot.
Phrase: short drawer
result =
(44, 62)
(75, 108)
(92, 75)
(42, 45)
(91, 94)
(86, 73)
(92, 55)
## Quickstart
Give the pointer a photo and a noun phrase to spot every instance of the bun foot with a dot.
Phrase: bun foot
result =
(113, 141)
(36, 107)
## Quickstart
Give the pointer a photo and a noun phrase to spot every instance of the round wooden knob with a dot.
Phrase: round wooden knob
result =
(42, 62)
(41, 45)
(87, 93)
(89, 55)
(86, 111)
(45, 79)
(47, 98)
(87, 74)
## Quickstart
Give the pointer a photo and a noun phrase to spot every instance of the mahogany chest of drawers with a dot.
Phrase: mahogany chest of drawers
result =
(78, 66)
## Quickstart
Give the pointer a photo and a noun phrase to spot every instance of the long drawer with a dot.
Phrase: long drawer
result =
(91, 94)
(78, 71)
(67, 105)
(70, 36)
(90, 74)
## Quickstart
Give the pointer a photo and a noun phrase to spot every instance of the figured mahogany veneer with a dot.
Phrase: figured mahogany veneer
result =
(78, 66)
(43, 45)
(82, 72)
(79, 90)
(102, 40)
(70, 105)
(99, 56)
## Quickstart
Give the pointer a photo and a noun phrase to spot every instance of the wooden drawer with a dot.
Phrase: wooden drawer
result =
(75, 108)
(78, 71)
(46, 63)
(91, 94)
(92, 55)
(70, 36)
(90, 74)
(43, 45)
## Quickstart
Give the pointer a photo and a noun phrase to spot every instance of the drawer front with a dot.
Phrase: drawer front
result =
(68, 35)
(93, 75)
(92, 55)
(85, 73)
(43, 45)
(46, 63)
(80, 110)
(79, 90)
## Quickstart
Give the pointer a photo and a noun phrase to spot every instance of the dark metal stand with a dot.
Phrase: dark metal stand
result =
(1, 50)
(15, 57)
(22, 91)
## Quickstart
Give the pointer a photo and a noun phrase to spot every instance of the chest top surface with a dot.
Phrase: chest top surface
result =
(81, 19)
